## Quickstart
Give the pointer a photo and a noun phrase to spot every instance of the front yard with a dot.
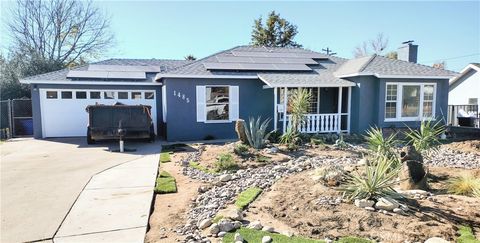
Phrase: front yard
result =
(230, 190)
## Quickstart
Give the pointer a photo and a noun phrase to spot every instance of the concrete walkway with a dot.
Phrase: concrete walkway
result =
(114, 206)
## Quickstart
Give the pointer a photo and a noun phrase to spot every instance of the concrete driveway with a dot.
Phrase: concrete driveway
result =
(41, 179)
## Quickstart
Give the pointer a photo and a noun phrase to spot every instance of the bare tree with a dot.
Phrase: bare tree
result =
(376, 46)
(59, 31)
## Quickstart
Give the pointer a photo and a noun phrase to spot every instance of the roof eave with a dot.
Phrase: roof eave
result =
(69, 82)
(219, 76)
(463, 72)
(395, 76)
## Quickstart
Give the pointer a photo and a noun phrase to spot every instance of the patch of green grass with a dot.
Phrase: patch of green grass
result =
(247, 196)
(251, 235)
(165, 157)
(225, 162)
(351, 239)
(165, 183)
(263, 159)
(217, 218)
(198, 166)
(466, 235)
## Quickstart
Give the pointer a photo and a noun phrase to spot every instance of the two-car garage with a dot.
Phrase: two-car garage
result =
(63, 111)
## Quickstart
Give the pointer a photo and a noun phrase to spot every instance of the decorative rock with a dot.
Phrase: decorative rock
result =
(398, 210)
(204, 223)
(363, 203)
(238, 237)
(255, 225)
(268, 229)
(225, 225)
(237, 224)
(436, 240)
(225, 178)
(370, 209)
(266, 239)
(386, 204)
(222, 234)
(214, 229)
(288, 233)
(233, 214)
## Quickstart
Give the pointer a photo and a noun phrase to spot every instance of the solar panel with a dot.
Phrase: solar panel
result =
(257, 66)
(124, 68)
(106, 75)
(229, 59)
(279, 54)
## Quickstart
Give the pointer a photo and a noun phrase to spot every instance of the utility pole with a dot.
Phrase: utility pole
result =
(329, 51)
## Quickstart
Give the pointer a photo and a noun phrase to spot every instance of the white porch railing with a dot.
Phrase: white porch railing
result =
(319, 123)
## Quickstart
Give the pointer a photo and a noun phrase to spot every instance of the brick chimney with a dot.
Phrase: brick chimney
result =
(408, 52)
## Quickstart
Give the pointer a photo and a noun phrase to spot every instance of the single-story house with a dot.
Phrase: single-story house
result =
(465, 88)
(192, 100)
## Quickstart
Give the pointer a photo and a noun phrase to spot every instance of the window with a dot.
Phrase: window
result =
(217, 103)
(81, 95)
(409, 102)
(109, 95)
(122, 95)
(52, 94)
(149, 95)
(66, 94)
(95, 95)
(473, 101)
(312, 108)
(136, 95)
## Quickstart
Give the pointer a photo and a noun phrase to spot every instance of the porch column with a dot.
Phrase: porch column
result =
(285, 90)
(349, 108)
(275, 111)
(339, 121)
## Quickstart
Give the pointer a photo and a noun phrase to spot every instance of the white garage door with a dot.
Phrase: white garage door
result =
(63, 111)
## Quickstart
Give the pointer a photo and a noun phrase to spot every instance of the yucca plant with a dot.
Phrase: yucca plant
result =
(465, 184)
(290, 137)
(379, 144)
(377, 181)
(256, 132)
(426, 139)
(299, 103)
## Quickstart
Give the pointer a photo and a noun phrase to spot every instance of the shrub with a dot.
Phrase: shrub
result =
(377, 181)
(275, 136)
(465, 184)
(256, 132)
(379, 145)
(317, 139)
(240, 149)
(247, 196)
(299, 103)
(290, 137)
(426, 138)
(331, 175)
(225, 162)
(340, 143)
(466, 235)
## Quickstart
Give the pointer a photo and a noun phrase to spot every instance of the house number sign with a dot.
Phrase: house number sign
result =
(181, 96)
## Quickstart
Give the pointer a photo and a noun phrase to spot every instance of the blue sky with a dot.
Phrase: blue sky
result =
(156, 29)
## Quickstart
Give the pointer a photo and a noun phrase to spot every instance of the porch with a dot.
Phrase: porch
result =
(329, 110)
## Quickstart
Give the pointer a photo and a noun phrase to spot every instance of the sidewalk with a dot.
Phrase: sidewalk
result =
(114, 206)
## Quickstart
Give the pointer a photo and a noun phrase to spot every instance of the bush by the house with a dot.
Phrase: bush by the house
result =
(377, 181)
(465, 184)
(240, 149)
(225, 162)
(380, 145)
(290, 137)
(256, 132)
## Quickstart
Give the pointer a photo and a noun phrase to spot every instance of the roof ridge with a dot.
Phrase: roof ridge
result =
(415, 63)
(362, 68)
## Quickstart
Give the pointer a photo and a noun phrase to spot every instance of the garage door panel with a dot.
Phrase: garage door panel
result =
(68, 117)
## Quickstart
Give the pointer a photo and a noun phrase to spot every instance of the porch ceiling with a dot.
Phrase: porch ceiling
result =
(303, 80)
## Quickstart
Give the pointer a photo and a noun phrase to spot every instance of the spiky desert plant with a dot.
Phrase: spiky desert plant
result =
(290, 137)
(299, 103)
(379, 144)
(426, 139)
(377, 181)
(257, 132)
(465, 184)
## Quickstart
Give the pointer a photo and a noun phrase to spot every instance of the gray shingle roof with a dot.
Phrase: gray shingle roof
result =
(61, 75)
(325, 79)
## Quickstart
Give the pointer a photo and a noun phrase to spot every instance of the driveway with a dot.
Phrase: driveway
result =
(41, 179)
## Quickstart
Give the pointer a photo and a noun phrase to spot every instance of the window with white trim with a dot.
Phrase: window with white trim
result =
(409, 101)
(217, 103)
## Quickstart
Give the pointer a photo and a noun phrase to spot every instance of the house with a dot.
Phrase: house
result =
(465, 88)
(193, 100)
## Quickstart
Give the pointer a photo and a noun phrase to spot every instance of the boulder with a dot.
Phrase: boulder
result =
(363, 203)
(214, 229)
(204, 223)
(387, 204)
(222, 234)
(225, 177)
(240, 129)
(370, 209)
(436, 240)
(226, 225)
(232, 213)
(413, 175)
(266, 239)
(255, 225)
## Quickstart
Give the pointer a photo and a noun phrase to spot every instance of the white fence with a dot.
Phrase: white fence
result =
(319, 123)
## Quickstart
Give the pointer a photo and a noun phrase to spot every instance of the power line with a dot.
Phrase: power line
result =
(450, 58)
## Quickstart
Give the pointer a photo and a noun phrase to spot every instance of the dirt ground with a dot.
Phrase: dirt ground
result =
(170, 209)
(299, 213)
(472, 146)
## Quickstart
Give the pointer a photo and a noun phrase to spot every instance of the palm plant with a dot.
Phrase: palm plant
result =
(426, 139)
(377, 181)
(299, 104)
(256, 132)
(379, 144)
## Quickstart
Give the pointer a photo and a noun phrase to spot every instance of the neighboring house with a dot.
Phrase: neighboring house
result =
(193, 100)
(465, 88)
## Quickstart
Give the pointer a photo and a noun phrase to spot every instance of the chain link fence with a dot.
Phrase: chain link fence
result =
(16, 118)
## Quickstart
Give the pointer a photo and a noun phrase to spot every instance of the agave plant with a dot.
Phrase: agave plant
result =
(426, 139)
(377, 181)
(256, 132)
(379, 144)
